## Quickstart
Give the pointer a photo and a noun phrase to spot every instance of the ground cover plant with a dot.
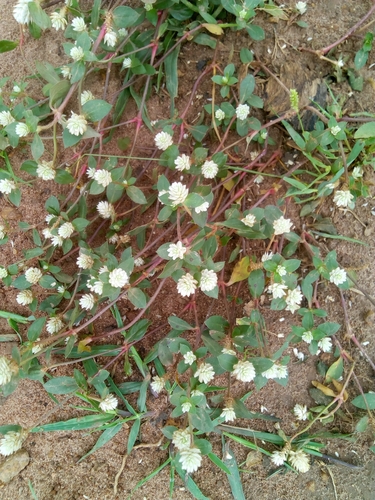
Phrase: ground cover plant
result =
(125, 227)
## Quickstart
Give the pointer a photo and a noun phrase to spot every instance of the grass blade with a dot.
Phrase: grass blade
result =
(234, 474)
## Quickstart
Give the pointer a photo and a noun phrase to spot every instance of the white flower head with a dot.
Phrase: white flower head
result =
(176, 250)
(209, 169)
(77, 53)
(301, 7)
(357, 172)
(86, 96)
(56, 240)
(293, 300)
(249, 220)
(190, 459)
(87, 301)
(66, 230)
(185, 407)
(109, 403)
(45, 170)
(11, 442)
(208, 280)
(97, 287)
(307, 337)
(58, 20)
(118, 278)
(54, 325)
(282, 225)
(186, 285)
(299, 460)
(126, 63)
(279, 457)
(335, 130)
(3, 232)
(242, 111)
(205, 373)
(228, 414)
(76, 124)
(267, 256)
(110, 37)
(276, 371)
(103, 177)
(178, 193)
(21, 12)
(181, 439)
(106, 210)
(7, 186)
(277, 290)
(33, 275)
(138, 262)
(3, 272)
(22, 130)
(6, 118)
(244, 371)
(343, 198)
(325, 344)
(259, 179)
(300, 411)
(163, 140)
(231, 352)
(25, 297)
(202, 208)
(157, 384)
(6, 371)
(78, 24)
(219, 114)
(337, 276)
(280, 270)
(85, 261)
(66, 72)
(189, 358)
(182, 162)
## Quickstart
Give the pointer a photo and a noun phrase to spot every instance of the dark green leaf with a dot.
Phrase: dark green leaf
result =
(7, 46)
(136, 195)
(76, 424)
(360, 401)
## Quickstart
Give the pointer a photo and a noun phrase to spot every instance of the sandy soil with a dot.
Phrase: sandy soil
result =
(53, 470)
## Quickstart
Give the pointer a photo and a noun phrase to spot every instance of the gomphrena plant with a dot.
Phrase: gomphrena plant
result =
(91, 255)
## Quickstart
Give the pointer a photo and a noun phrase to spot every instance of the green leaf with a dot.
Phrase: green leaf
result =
(136, 195)
(294, 135)
(133, 435)
(47, 281)
(105, 437)
(365, 131)
(335, 370)
(52, 205)
(15, 197)
(179, 324)
(247, 87)
(189, 483)
(233, 474)
(38, 16)
(37, 147)
(35, 329)
(80, 224)
(7, 46)
(219, 463)
(255, 32)
(124, 17)
(360, 401)
(256, 283)
(137, 298)
(47, 71)
(15, 317)
(61, 385)
(57, 92)
(76, 424)
(63, 176)
(96, 109)
(170, 65)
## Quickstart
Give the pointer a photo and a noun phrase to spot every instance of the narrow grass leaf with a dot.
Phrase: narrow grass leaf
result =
(105, 437)
(233, 473)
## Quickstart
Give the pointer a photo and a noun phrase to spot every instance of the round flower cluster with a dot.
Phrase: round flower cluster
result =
(297, 459)
(109, 403)
(182, 163)
(6, 186)
(186, 285)
(118, 278)
(244, 371)
(76, 124)
(176, 251)
(157, 384)
(208, 280)
(54, 325)
(282, 225)
(33, 275)
(178, 193)
(242, 111)
(11, 442)
(209, 169)
(249, 220)
(205, 373)
(276, 371)
(163, 140)
(45, 171)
